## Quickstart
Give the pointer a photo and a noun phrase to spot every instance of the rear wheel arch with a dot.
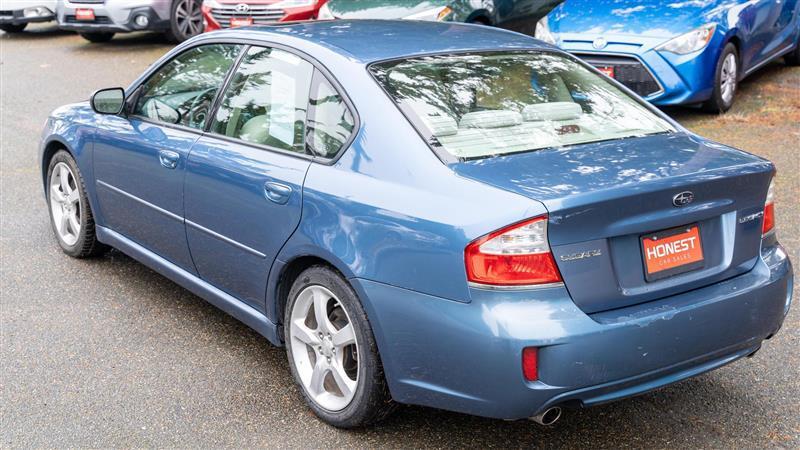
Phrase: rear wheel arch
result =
(288, 274)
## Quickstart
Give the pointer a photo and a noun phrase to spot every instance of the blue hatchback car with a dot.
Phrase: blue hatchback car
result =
(465, 218)
(678, 52)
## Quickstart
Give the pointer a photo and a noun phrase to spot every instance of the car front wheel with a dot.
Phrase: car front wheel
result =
(70, 214)
(726, 81)
(186, 20)
(332, 351)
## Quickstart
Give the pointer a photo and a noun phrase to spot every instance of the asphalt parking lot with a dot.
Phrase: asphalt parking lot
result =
(106, 352)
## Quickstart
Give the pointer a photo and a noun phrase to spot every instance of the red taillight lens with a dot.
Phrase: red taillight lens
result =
(769, 210)
(513, 256)
(530, 363)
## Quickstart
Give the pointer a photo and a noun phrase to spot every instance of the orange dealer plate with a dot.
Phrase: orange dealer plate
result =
(671, 252)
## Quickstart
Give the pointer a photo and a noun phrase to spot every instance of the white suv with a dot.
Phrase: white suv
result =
(99, 20)
(15, 15)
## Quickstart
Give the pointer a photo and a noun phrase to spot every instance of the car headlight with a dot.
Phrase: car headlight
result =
(434, 14)
(293, 3)
(543, 32)
(38, 11)
(692, 41)
(325, 13)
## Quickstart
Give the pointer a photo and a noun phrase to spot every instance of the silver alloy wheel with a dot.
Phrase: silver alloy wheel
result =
(324, 348)
(728, 78)
(65, 203)
(189, 17)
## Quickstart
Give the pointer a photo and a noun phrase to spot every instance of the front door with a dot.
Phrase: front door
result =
(140, 160)
(244, 180)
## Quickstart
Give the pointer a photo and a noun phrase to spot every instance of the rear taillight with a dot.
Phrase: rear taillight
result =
(514, 256)
(769, 210)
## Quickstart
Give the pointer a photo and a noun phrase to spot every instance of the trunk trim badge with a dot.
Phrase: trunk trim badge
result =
(581, 255)
(751, 217)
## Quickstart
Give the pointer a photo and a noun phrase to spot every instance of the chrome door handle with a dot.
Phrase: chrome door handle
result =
(277, 193)
(168, 158)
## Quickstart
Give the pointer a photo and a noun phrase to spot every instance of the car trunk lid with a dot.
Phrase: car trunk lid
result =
(604, 198)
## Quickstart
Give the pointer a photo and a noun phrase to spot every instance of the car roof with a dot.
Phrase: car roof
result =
(373, 40)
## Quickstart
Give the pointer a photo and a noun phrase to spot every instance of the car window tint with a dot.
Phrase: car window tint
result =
(183, 90)
(330, 122)
(267, 100)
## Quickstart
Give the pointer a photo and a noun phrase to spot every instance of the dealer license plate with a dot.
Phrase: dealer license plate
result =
(671, 252)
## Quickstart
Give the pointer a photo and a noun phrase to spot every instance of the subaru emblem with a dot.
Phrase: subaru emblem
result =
(683, 199)
(242, 8)
(600, 43)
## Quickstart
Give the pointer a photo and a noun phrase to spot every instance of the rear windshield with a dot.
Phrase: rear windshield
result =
(478, 105)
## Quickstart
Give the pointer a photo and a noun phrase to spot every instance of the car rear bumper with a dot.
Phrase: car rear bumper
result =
(466, 357)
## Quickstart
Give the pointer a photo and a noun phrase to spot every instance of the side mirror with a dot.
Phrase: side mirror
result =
(108, 101)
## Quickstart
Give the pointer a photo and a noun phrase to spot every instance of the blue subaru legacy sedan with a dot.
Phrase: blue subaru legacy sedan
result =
(465, 218)
(678, 52)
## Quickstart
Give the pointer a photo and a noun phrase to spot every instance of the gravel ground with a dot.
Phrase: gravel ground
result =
(107, 353)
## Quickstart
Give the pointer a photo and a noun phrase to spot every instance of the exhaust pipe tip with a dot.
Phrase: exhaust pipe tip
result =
(548, 417)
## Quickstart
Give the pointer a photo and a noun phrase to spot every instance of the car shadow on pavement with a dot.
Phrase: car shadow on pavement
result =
(695, 411)
(35, 33)
(127, 42)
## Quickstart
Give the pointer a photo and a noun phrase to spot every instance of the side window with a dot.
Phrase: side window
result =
(267, 100)
(330, 122)
(183, 90)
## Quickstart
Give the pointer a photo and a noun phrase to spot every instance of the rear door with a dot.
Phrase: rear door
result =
(244, 177)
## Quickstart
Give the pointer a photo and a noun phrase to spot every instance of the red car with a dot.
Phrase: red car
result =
(219, 14)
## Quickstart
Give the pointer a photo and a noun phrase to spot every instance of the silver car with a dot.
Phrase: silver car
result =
(15, 15)
(99, 20)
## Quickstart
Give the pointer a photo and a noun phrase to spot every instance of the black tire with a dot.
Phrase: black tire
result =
(87, 244)
(97, 38)
(480, 20)
(718, 104)
(793, 58)
(13, 28)
(178, 32)
(372, 401)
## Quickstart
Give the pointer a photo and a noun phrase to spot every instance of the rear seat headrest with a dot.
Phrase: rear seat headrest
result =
(552, 111)
(490, 119)
(441, 125)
